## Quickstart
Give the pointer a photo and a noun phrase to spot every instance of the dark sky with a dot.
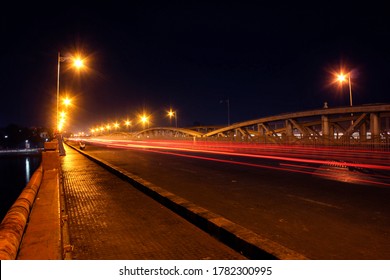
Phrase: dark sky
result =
(152, 55)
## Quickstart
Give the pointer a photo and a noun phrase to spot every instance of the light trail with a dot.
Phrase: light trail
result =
(265, 149)
(322, 171)
(324, 160)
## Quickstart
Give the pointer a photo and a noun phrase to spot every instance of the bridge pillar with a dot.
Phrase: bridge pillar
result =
(262, 133)
(325, 128)
(289, 128)
(261, 130)
(331, 132)
(375, 126)
(289, 131)
(363, 132)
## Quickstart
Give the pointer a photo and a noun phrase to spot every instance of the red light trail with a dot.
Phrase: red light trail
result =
(325, 160)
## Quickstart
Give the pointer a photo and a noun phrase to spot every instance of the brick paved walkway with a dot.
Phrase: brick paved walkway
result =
(110, 219)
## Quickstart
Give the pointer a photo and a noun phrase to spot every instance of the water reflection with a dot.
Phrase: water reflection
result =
(15, 173)
(27, 170)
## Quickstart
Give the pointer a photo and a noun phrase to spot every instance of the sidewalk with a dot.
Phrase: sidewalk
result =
(110, 219)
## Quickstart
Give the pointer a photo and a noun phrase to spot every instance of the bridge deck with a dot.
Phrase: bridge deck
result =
(110, 219)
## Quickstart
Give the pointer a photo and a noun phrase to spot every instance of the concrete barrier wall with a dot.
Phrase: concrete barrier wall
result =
(15, 221)
(13, 226)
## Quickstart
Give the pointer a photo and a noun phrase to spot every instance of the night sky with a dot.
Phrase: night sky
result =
(149, 56)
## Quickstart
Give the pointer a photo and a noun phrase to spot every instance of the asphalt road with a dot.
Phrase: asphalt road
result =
(298, 206)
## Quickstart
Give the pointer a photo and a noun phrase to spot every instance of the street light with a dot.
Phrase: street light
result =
(342, 78)
(144, 119)
(77, 63)
(116, 125)
(172, 114)
(127, 124)
(67, 101)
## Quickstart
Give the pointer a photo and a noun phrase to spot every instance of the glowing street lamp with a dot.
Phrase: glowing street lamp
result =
(77, 63)
(127, 124)
(172, 114)
(144, 119)
(67, 101)
(343, 78)
(62, 115)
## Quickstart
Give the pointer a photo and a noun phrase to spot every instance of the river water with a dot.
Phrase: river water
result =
(15, 172)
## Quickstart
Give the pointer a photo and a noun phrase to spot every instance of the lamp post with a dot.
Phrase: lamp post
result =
(128, 124)
(58, 88)
(144, 119)
(342, 78)
(173, 114)
(78, 63)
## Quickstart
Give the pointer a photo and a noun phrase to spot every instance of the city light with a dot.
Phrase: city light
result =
(78, 64)
(172, 114)
(341, 78)
(67, 101)
(144, 119)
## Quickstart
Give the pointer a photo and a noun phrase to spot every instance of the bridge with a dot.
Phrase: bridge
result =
(91, 204)
(366, 124)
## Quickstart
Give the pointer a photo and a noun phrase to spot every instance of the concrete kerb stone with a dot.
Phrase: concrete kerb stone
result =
(65, 238)
(243, 240)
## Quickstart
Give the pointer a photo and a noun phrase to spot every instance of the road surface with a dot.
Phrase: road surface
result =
(323, 210)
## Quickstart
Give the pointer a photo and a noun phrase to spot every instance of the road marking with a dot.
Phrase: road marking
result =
(187, 170)
(315, 201)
